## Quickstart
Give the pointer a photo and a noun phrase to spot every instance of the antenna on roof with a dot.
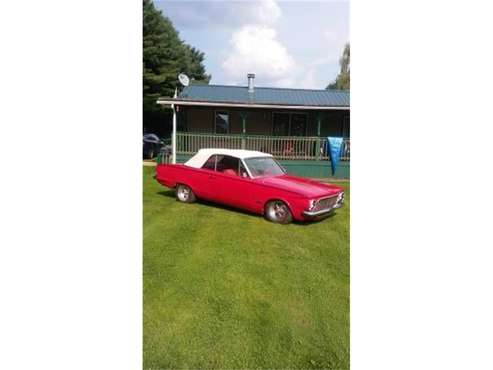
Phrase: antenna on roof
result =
(183, 78)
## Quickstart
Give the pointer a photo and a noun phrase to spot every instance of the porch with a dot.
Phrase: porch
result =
(281, 147)
(302, 156)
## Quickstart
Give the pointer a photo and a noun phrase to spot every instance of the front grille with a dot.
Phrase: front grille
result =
(325, 203)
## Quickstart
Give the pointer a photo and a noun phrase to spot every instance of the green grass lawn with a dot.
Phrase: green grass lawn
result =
(227, 289)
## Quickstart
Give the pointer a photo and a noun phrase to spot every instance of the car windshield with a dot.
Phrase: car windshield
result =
(264, 166)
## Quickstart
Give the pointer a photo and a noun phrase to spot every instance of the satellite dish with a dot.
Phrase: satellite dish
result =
(183, 78)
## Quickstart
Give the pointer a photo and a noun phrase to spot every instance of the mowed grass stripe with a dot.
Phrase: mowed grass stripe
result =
(224, 289)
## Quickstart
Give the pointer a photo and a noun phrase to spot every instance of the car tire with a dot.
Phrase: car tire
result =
(185, 194)
(278, 212)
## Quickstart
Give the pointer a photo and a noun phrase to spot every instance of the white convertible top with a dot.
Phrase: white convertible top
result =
(203, 155)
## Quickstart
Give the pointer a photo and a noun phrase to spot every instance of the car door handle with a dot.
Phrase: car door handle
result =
(212, 177)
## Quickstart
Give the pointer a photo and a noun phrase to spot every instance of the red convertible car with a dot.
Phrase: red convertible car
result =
(252, 181)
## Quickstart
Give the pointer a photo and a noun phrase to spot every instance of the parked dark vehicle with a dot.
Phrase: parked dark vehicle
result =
(152, 145)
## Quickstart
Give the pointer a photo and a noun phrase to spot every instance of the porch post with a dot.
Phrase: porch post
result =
(173, 137)
(319, 124)
(243, 131)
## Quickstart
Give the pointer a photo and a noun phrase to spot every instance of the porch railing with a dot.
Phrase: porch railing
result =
(282, 147)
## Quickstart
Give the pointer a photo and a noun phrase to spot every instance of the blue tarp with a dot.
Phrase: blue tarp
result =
(334, 147)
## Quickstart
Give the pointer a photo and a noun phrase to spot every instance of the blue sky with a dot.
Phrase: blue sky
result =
(285, 43)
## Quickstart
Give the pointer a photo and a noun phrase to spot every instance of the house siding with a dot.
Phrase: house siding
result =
(259, 121)
(200, 120)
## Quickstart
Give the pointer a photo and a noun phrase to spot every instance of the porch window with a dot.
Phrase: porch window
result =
(280, 124)
(298, 124)
(221, 122)
(289, 124)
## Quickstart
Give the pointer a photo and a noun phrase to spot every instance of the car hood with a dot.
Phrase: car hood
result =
(301, 186)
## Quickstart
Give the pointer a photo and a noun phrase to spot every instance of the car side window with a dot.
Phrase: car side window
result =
(210, 164)
(243, 171)
(228, 165)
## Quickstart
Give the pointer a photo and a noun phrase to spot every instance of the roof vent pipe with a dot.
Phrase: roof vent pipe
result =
(251, 77)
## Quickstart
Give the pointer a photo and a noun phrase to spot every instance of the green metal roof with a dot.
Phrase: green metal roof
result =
(265, 95)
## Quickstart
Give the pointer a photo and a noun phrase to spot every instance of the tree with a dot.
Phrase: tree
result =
(165, 55)
(194, 64)
(342, 80)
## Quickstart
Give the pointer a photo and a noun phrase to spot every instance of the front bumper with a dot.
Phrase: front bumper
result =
(322, 212)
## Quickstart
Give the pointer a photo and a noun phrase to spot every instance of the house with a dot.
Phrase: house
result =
(291, 124)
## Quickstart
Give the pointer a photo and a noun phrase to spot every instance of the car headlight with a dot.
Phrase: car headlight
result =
(311, 204)
(340, 197)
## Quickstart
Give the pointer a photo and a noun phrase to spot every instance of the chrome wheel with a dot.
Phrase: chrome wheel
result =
(278, 212)
(184, 194)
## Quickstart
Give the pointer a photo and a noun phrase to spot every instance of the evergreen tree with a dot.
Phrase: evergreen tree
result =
(165, 55)
(194, 65)
(342, 81)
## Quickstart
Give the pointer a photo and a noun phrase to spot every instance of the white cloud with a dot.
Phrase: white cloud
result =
(309, 80)
(285, 45)
(214, 14)
(335, 39)
(255, 48)
(266, 12)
